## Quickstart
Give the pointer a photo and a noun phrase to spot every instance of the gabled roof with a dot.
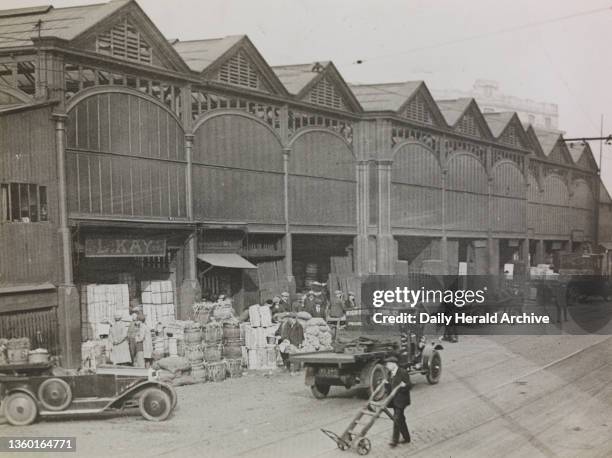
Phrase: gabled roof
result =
(534, 141)
(80, 24)
(301, 80)
(453, 109)
(547, 139)
(456, 113)
(507, 128)
(19, 26)
(582, 155)
(201, 54)
(208, 56)
(575, 150)
(296, 77)
(553, 146)
(384, 97)
(498, 121)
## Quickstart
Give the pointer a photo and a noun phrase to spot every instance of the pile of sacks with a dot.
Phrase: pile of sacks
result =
(223, 310)
(317, 334)
(175, 370)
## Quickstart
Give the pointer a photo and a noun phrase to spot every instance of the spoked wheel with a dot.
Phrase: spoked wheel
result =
(173, 396)
(54, 394)
(319, 390)
(155, 404)
(378, 375)
(364, 446)
(434, 368)
(19, 409)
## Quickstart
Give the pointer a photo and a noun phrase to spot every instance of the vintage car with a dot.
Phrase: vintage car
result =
(24, 398)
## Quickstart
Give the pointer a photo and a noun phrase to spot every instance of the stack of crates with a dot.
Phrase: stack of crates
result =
(158, 302)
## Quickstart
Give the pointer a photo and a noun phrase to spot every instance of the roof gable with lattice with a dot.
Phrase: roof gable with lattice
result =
(464, 116)
(128, 34)
(422, 108)
(507, 128)
(328, 89)
(586, 159)
(234, 61)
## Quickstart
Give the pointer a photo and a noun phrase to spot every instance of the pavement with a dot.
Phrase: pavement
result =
(507, 396)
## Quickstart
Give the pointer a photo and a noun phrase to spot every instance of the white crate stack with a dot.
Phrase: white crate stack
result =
(258, 352)
(99, 305)
(158, 301)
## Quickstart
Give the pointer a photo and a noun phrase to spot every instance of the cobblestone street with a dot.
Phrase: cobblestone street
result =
(505, 396)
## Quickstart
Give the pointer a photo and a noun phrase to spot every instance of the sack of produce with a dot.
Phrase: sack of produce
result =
(174, 364)
(316, 322)
(304, 316)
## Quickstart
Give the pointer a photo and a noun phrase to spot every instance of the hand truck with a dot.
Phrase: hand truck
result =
(354, 436)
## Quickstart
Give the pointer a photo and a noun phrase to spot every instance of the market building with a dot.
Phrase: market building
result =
(125, 157)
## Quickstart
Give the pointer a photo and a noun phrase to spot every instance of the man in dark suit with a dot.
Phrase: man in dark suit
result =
(398, 376)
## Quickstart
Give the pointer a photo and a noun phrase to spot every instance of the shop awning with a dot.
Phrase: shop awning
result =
(232, 260)
(606, 245)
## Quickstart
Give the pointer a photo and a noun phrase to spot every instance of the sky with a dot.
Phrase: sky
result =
(547, 50)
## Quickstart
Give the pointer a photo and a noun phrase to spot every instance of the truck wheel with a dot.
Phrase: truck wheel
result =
(19, 409)
(155, 404)
(54, 394)
(434, 368)
(320, 391)
(377, 375)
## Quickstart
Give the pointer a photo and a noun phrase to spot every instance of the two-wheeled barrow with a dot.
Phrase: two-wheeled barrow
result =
(354, 436)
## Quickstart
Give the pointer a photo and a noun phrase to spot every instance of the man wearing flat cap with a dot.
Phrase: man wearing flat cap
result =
(398, 376)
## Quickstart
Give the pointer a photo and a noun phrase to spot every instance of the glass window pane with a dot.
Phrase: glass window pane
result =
(14, 202)
(42, 195)
(103, 77)
(4, 203)
(89, 77)
(33, 203)
(26, 80)
(24, 203)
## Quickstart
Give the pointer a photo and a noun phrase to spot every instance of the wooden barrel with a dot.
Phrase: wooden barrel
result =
(212, 353)
(193, 335)
(194, 353)
(232, 349)
(198, 372)
(213, 333)
(231, 331)
(215, 372)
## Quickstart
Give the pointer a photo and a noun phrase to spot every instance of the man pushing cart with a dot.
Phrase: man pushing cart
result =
(397, 389)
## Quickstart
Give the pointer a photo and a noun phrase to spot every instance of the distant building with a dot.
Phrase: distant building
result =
(492, 100)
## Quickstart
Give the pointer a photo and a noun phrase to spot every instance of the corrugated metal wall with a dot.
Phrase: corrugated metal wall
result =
(35, 324)
(467, 195)
(549, 215)
(27, 155)
(582, 211)
(237, 171)
(508, 198)
(125, 156)
(322, 183)
(416, 192)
